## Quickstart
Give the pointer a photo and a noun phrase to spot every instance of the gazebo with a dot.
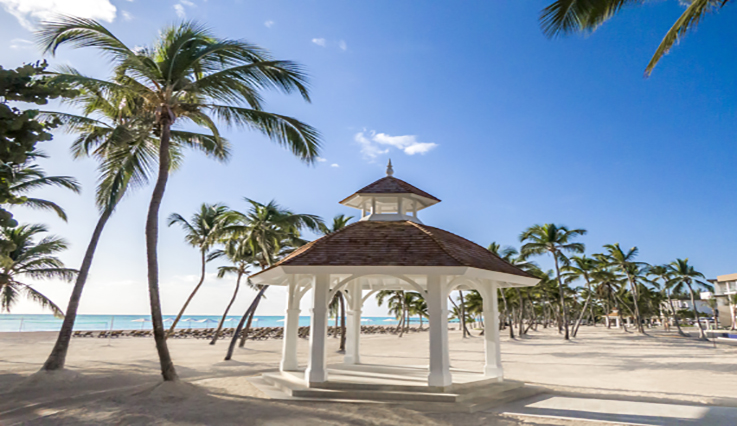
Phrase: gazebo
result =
(389, 248)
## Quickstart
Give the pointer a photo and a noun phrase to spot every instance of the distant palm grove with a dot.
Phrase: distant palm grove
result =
(132, 124)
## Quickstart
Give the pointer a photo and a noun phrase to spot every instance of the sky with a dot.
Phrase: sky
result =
(471, 102)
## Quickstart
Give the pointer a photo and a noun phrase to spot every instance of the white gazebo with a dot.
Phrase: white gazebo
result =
(389, 248)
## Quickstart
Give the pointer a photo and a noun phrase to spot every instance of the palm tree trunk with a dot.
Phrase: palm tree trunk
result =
(342, 322)
(521, 311)
(404, 308)
(238, 329)
(247, 330)
(58, 355)
(463, 315)
(675, 316)
(191, 295)
(636, 298)
(564, 314)
(152, 236)
(702, 335)
(585, 305)
(227, 309)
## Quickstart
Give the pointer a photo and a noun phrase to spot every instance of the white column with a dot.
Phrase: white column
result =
(437, 309)
(291, 327)
(317, 367)
(492, 348)
(353, 326)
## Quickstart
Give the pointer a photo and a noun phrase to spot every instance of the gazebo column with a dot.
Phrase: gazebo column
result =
(291, 327)
(437, 309)
(492, 348)
(353, 326)
(317, 367)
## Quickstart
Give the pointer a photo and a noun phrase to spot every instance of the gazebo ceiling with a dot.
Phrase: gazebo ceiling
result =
(396, 243)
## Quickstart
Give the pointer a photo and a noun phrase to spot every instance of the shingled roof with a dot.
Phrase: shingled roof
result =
(396, 243)
(392, 185)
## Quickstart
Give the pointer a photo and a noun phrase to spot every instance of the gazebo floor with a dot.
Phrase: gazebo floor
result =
(470, 391)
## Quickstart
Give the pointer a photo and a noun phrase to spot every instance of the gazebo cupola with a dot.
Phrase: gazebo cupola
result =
(390, 199)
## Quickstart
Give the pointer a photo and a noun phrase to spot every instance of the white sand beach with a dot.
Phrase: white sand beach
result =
(114, 382)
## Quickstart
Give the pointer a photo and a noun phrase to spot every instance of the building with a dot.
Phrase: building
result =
(724, 287)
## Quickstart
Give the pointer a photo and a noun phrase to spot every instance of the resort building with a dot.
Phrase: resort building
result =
(725, 286)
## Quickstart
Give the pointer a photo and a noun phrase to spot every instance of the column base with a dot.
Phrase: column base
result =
(440, 379)
(350, 359)
(494, 372)
(288, 366)
(315, 376)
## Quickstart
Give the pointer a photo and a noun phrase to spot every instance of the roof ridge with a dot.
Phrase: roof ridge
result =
(438, 242)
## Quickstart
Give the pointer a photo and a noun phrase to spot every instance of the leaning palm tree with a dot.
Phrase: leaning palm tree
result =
(270, 231)
(663, 273)
(114, 131)
(188, 76)
(31, 259)
(684, 275)
(624, 261)
(570, 16)
(581, 267)
(30, 176)
(239, 253)
(203, 231)
(554, 240)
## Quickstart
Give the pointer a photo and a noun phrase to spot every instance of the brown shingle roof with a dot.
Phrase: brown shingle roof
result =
(392, 185)
(396, 243)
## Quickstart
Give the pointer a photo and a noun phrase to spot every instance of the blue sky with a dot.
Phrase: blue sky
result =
(471, 102)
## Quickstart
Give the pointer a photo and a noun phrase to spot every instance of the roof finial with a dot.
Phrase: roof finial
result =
(389, 168)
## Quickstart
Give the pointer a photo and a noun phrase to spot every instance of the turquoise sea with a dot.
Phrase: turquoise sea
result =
(20, 322)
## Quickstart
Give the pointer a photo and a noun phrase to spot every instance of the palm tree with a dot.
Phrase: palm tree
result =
(624, 261)
(270, 231)
(581, 267)
(663, 272)
(685, 275)
(28, 177)
(339, 222)
(240, 255)
(188, 75)
(114, 132)
(569, 16)
(554, 240)
(205, 229)
(31, 259)
(396, 305)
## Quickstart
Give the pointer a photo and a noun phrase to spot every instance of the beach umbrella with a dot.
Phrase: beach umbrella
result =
(388, 320)
(141, 320)
(188, 320)
(365, 319)
(281, 320)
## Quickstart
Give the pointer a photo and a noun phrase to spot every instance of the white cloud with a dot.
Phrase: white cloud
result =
(127, 16)
(371, 144)
(269, 24)
(343, 46)
(321, 160)
(19, 43)
(319, 41)
(334, 165)
(187, 3)
(29, 12)
(180, 11)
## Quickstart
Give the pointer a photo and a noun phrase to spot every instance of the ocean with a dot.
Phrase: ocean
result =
(41, 322)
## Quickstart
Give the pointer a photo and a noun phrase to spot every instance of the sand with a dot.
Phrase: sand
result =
(116, 382)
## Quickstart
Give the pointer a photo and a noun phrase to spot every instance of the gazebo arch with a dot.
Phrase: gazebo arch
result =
(389, 248)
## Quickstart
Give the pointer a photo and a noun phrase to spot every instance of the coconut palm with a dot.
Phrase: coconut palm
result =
(340, 221)
(270, 231)
(396, 304)
(554, 240)
(31, 259)
(338, 303)
(204, 231)
(188, 76)
(569, 16)
(121, 137)
(239, 253)
(684, 275)
(28, 177)
(663, 273)
(622, 260)
(581, 267)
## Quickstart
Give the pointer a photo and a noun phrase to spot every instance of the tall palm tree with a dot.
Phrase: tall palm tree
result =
(31, 259)
(581, 267)
(396, 305)
(556, 241)
(617, 257)
(204, 231)
(685, 275)
(239, 253)
(31, 176)
(663, 273)
(569, 16)
(115, 132)
(340, 221)
(270, 231)
(188, 76)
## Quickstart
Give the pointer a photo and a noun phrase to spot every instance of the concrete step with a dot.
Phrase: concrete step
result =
(485, 402)
(387, 396)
